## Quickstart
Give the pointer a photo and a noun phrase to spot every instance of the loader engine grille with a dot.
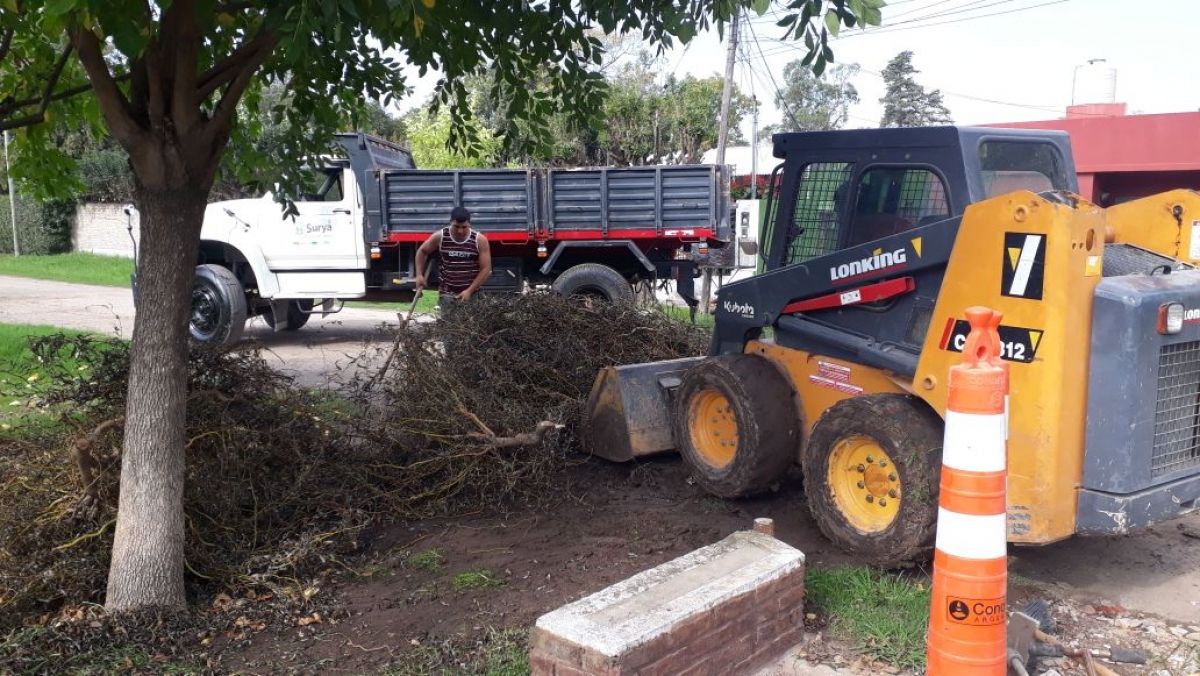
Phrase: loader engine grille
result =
(1177, 414)
(1126, 259)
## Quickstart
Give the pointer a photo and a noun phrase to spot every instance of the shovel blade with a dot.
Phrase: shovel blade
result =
(628, 412)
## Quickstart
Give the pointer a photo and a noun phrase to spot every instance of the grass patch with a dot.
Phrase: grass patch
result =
(682, 314)
(500, 653)
(81, 268)
(884, 614)
(477, 579)
(430, 560)
(22, 376)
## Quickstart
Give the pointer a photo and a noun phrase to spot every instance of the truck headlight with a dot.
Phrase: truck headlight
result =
(1170, 318)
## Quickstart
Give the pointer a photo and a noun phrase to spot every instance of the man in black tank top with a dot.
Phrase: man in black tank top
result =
(466, 259)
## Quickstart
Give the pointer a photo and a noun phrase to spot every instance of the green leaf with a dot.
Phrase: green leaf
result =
(59, 7)
(832, 24)
(349, 8)
(760, 6)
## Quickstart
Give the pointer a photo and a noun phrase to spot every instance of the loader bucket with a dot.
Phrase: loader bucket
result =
(628, 412)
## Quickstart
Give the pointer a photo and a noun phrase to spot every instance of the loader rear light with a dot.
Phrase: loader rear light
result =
(375, 253)
(541, 250)
(1170, 318)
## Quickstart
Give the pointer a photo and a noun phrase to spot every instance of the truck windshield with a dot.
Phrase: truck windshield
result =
(1020, 165)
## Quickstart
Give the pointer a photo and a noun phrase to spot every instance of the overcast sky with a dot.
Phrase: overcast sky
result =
(993, 60)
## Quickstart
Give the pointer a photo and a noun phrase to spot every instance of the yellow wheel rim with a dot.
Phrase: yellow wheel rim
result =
(865, 483)
(713, 428)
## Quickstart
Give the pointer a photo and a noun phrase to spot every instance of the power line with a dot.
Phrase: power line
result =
(785, 46)
(896, 28)
(771, 74)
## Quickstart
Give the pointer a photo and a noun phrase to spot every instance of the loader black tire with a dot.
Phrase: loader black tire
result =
(594, 280)
(747, 402)
(218, 307)
(892, 443)
(298, 312)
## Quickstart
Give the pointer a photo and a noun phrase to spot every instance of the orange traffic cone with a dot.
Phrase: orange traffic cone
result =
(968, 612)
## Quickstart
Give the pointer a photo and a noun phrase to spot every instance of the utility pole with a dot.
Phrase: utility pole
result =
(754, 149)
(12, 197)
(722, 137)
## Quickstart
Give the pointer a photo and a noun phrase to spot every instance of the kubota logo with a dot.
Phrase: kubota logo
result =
(878, 262)
(743, 309)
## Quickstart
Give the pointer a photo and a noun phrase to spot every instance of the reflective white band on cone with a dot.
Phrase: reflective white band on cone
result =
(970, 536)
(974, 442)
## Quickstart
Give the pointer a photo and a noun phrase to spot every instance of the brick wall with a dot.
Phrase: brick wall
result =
(730, 608)
(102, 229)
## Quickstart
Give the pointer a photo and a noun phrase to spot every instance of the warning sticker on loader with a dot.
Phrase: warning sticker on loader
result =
(976, 612)
(1016, 343)
(834, 377)
(1024, 266)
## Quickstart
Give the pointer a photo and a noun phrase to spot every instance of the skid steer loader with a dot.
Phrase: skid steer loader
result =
(836, 357)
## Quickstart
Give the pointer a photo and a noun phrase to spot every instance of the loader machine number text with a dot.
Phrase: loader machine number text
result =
(1016, 343)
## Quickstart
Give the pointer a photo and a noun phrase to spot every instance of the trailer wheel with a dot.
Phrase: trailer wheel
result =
(595, 281)
(218, 306)
(736, 424)
(872, 469)
(298, 312)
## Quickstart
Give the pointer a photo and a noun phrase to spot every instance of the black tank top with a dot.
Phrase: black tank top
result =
(460, 262)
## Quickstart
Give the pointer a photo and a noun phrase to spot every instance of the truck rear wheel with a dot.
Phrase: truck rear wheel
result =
(872, 468)
(218, 306)
(593, 280)
(298, 312)
(736, 424)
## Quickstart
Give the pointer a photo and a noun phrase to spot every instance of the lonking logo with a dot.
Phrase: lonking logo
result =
(1191, 316)
(879, 261)
(743, 309)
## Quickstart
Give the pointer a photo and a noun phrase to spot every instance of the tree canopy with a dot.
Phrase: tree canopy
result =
(164, 79)
(811, 103)
(906, 103)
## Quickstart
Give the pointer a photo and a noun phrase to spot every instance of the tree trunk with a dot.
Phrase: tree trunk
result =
(147, 557)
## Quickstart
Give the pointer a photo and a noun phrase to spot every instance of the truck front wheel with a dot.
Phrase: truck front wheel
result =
(595, 281)
(218, 306)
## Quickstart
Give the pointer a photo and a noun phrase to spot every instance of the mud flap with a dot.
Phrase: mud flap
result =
(628, 412)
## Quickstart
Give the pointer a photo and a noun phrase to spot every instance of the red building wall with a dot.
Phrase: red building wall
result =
(1122, 157)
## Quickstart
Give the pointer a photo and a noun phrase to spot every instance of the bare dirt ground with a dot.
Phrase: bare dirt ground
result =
(1137, 591)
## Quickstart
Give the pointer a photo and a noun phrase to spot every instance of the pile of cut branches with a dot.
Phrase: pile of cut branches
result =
(477, 414)
(469, 399)
(263, 497)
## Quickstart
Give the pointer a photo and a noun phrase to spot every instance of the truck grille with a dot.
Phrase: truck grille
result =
(1177, 415)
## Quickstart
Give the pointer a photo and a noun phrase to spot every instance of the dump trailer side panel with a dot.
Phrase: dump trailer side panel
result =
(501, 201)
(682, 200)
(1037, 261)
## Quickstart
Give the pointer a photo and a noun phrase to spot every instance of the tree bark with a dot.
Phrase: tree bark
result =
(147, 558)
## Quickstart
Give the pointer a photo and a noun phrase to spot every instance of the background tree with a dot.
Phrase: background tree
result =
(428, 136)
(167, 78)
(906, 103)
(811, 103)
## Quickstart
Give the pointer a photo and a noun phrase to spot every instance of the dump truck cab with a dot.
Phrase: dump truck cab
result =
(836, 357)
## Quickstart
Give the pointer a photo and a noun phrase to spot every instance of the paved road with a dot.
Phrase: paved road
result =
(321, 351)
(1154, 572)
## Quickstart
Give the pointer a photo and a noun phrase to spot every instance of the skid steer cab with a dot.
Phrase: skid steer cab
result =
(836, 357)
